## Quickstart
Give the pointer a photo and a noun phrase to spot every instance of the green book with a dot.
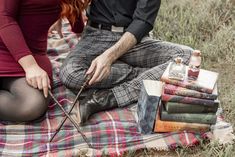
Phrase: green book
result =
(174, 107)
(204, 118)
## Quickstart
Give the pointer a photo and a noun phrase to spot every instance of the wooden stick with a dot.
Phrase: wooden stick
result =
(67, 114)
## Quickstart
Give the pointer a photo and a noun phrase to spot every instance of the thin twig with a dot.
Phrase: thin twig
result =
(87, 79)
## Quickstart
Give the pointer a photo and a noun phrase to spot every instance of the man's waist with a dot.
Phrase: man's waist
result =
(108, 27)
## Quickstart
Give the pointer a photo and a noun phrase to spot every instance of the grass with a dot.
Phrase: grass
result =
(207, 25)
(210, 27)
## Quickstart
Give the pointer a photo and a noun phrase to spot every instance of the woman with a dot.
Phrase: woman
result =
(25, 70)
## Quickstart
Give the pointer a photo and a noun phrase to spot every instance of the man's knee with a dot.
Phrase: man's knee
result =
(187, 53)
(72, 77)
(184, 52)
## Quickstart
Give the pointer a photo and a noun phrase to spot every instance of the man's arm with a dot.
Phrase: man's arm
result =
(143, 18)
(143, 21)
(101, 66)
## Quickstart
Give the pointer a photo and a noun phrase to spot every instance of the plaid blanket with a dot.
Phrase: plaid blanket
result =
(111, 133)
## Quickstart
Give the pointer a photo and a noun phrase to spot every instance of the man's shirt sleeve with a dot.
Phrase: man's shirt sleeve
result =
(143, 18)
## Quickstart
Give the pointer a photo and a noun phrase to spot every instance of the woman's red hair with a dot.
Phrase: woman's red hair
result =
(72, 9)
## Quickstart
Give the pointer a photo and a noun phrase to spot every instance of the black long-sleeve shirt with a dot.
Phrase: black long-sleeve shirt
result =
(137, 16)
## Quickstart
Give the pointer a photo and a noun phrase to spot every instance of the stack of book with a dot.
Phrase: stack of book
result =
(188, 105)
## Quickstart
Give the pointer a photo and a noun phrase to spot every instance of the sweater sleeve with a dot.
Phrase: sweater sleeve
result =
(10, 31)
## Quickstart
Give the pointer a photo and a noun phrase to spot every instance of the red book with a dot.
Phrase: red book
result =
(188, 100)
(177, 90)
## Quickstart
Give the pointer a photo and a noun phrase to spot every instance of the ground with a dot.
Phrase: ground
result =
(207, 25)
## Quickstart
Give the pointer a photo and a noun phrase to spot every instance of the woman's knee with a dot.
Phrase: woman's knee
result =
(33, 108)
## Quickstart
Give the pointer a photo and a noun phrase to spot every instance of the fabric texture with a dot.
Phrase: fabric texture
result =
(23, 31)
(111, 133)
(137, 16)
(146, 60)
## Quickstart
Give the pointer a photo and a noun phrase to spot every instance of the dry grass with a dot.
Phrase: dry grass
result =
(207, 25)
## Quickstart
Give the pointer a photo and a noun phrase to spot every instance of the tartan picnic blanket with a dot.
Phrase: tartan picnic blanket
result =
(111, 133)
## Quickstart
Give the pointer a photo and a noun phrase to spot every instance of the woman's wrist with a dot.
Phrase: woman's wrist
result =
(27, 62)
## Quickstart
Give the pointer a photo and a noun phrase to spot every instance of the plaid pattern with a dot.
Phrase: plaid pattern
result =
(110, 133)
(147, 60)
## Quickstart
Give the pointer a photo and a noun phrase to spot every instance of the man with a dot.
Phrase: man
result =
(116, 50)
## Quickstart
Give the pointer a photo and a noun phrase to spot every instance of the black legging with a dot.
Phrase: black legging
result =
(20, 102)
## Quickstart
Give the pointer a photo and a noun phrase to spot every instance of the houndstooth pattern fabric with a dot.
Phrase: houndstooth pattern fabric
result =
(146, 60)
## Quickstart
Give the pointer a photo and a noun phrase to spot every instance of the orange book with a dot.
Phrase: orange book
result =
(171, 126)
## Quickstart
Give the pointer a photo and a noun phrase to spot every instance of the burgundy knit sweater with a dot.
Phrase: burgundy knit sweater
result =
(24, 28)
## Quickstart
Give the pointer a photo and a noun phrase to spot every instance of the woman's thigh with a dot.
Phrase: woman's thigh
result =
(20, 101)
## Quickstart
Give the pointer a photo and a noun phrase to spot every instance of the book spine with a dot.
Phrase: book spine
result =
(171, 126)
(176, 90)
(187, 85)
(189, 117)
(187, 100)
(172, 107)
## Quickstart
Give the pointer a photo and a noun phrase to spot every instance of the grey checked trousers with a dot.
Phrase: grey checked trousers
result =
(147, 60)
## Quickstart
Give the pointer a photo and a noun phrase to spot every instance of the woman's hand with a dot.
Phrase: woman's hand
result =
(38, 78)
(35, 75)
(100, 68)
(56, 28)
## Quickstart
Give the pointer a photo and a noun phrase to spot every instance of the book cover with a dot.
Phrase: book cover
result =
(147, 105)
(177, 90)
(188, 100)
(205, 82)
(204, 118)
(172, 126)
(174, 107)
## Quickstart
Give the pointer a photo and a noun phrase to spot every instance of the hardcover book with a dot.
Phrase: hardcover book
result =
(205, 82)
(188, 100)
(174, 107)
(172, 126)
(204, 118)
(177, 90)
(147, 105)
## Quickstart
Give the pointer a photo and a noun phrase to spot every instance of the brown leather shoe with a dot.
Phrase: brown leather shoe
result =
(98, 101)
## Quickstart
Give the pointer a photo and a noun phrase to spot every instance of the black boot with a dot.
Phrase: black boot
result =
(98, 101)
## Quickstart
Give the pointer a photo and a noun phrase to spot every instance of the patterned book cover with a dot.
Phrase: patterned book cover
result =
(174, 107)
(204, 83)
(147, 105)
(204, 118)
(172, 126)
(188, 100)
(177, 90)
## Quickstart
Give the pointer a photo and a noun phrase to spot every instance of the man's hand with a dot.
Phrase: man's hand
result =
(100, 68)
